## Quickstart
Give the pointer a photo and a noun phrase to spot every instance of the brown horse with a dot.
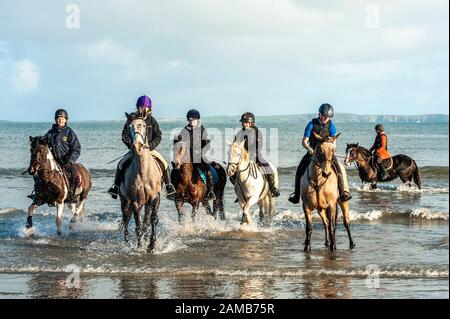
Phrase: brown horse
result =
(319, 190)
(51, 183)
(190, 187)
(400, 165)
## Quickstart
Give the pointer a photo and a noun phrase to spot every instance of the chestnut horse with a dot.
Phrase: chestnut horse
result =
(191, 189)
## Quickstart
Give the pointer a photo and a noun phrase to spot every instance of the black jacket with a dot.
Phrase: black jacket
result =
(253, 143)
(63, 143)
(153, 132)
(197, 139)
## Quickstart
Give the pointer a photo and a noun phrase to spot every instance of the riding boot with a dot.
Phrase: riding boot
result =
(343, 194)
(170, 189)
(114, 189)
(29, 223)
(294, 198)
(271, 180)
(382, 169)
(210, 185)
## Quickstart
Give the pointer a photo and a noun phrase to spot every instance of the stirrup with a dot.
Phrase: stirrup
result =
(345, 196)
(294, 199)
(114, 191)
(170, 191)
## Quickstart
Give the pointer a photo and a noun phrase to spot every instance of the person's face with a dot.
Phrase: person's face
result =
(61, 121)
(246, 125)
(193, 122)
(143, 110)
(323, 118)
(378, 131)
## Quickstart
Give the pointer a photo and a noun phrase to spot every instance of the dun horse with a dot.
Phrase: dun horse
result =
(141, 186)
(319, 190)
(51, 183)
(191, 189)
(400, 165)
(250, 186)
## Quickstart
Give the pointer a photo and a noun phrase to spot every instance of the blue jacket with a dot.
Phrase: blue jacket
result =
(63, 143)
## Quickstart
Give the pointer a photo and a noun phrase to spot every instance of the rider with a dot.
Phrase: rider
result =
(196, 137)
(143, 110)
(65, 148)
(380, 150)
(253, 145)
(323, 126)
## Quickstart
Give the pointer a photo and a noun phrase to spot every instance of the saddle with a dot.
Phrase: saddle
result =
(214, 174)
(374, 164)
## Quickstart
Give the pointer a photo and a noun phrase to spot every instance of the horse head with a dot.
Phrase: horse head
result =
(138, 133)
(324, 152)
(350, 153)
(180, 154)
(236, 154)
(39, 150)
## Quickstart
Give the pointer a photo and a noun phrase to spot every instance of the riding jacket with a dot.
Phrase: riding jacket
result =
(64, 143)
(380, 146)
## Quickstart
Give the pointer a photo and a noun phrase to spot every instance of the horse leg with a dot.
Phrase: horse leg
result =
(207, 207)
(154, 221)
(179, 207)
(346, 218)
(60, 208)
(308, 217)
(194, 211)
(323, 216)
(137, 221)
(126, 216)
(146, 222)
(31, 210)
(246, 218)
(373, 185)
(218, 205)
(331, 215)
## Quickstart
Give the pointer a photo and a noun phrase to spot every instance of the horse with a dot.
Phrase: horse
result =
(250, 186)
(400, 165)
(319, 190)
(51, 184)
(141, 186)
(191, 189)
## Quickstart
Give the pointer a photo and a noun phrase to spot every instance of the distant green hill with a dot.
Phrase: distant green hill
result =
(342, 118)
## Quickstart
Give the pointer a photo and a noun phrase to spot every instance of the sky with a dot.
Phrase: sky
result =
(223, 57)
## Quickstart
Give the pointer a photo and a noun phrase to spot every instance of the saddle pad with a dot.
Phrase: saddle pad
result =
(213, 172)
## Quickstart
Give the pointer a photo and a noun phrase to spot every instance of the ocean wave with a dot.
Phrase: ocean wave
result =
(369, 272)
(425, 171)
(289, 217)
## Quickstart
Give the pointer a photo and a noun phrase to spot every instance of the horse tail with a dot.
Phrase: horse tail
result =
(416, 176)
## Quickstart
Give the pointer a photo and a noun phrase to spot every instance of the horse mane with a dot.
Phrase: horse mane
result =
(365, 151)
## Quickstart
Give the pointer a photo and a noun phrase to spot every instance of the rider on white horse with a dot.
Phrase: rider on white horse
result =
(253, 145)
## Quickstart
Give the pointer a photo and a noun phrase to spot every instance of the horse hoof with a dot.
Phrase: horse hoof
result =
(352, 245)
(307, 249)
(327, 244)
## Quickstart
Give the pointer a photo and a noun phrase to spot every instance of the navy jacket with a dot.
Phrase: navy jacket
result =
(63, 143)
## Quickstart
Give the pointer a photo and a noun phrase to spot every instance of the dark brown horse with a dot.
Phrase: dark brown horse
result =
(51, 183)
(190, 187)
(401, 166)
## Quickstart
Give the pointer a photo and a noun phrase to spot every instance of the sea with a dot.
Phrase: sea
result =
(401, 232)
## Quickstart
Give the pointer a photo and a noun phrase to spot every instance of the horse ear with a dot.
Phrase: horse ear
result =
(317, 136)
(229, 143)
(128, 116)
(336, 137)
(357, 144)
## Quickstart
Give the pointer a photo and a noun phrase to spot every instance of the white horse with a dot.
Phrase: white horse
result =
(250, 186)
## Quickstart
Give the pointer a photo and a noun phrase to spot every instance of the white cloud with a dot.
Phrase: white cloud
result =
(25, 77)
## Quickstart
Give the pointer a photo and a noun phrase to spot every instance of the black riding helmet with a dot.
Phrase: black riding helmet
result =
(61, 113)
(379, 127)
(247, 117)
(327, 110)
(193, 114)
